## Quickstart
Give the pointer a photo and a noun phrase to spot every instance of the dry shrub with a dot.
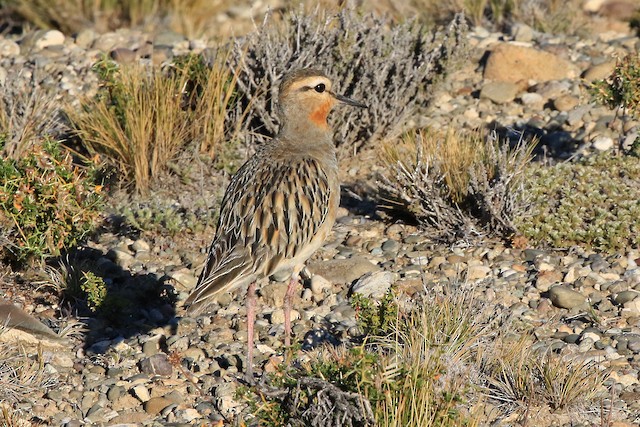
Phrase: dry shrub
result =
(22, 373)
(27, 114)
(390, 67)
(458, 185)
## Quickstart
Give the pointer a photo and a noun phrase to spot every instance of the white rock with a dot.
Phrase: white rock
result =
(50, 38)
(319, 284)
(141, 393)
(277, 317)
(374, 285)
(603, 143)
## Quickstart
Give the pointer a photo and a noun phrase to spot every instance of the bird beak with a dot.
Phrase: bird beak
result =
(348, 101)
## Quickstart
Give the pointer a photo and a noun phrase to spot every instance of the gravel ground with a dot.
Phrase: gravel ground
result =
(120, 372)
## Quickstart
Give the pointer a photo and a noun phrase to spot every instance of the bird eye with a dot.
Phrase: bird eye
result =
(319, 88)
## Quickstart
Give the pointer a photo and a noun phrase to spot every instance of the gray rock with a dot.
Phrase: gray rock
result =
(499, 92)
(565, 297)
(625, 296)
(374, 285)
(342, 271)
(158, 364)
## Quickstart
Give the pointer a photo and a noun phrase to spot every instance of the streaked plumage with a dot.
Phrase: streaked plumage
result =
(281, 204)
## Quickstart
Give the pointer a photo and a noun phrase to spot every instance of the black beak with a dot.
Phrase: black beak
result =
(348, 101)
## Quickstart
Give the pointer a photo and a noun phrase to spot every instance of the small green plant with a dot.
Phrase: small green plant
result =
(94, 290)
(621, 90)
(376, 317)
(47, 204)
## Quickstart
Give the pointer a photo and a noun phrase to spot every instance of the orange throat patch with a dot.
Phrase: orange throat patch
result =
(319, 115)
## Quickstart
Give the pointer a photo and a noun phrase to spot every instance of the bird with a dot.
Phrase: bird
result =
(281, 204)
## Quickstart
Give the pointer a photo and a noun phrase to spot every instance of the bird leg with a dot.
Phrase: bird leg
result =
(287, 309)
(251, 320)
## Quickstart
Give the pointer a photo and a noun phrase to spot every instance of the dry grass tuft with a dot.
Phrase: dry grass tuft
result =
(517, 377)
(425, 368)
(22, 373)
(459, 185)
(143, 116)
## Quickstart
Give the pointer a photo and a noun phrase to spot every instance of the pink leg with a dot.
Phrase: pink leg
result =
(251, 320)
(287, 309)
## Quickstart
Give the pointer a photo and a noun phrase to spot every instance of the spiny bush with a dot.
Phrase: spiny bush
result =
(393, 68)
(593, 203)
(47, 204)
(142, 116)
(457, 185)
(28, 113)
(622, 88)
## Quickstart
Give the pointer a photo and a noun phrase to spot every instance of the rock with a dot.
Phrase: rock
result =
(521, 32)
(277, 316)
(155, 405)
(500, 92)
(547, 278)
(532, 99)
(141, 245)
(633, 307)
(565, 102)
(50, 38)
(599, 71)
(141, 392)
(168, 38)
(477, 272)
(158, 364)
(565, 297)
(625, 296)
(342, 271)
(374, 285)
(184, 277)
(8, 48)
(319, 284)
(123, 55)
(602, 143)
(513, 63)
(85, 38)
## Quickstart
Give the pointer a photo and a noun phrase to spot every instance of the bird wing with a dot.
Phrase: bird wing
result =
(270, 212)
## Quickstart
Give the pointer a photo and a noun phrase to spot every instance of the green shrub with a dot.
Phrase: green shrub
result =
(594, 203)
(622, 88)
(47, 203)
